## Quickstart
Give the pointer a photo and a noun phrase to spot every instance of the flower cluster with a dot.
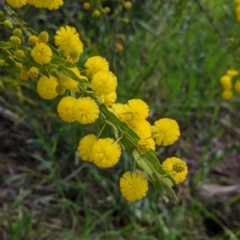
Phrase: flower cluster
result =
(229, 82)
(111, 11)
(107, 7)
(50, 4)
(89, 95)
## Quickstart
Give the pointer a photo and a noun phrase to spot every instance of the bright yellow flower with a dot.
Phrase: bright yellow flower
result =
(33, 40)
(106, 153)
(95, 64)
(109, 99)
(85, 147)
(16, 3)
(86, 110)
(41, 53)
(104, 83)
(227, 94)
(69, 83)
(176, 168)
(133, 186)
(132, 113)
(50, 4)
(65, 109)
(67, 39)
(226, 82)
(237, 10)
(143, 146)
(151, 143)
(142, 128)
(138, 110)
(237, 86)
(232, 72)
(121, 111)
(165, 131)
(46, 87)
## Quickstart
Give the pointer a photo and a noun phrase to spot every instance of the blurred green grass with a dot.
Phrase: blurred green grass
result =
(173, 58)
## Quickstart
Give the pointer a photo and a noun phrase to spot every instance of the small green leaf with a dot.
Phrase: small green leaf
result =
(168, 182)
(6, 45)
(141, 162)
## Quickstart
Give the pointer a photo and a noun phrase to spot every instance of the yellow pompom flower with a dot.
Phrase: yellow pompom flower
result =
(46, 87)
(41, 53)
(86, 5)
(237, 86)
(15, 40)
(17, 32)
(133, 186)
(132, 113)
(138, 110)
(16, 3)
(95, 64)
(143, 146)
(141, 127)
(109, 99)
(96, 13)
(106, 153)
(227, 94)
(73, 56)
(69, 83)
(126, 20)
(232, 72)
(33, 40)
(165, 131)
(67, 39)
(86, 110)
(19, 53)
(65, 109)
(127, 5)
(33, 72)
(50, 4)
(104, 83)
(107, 9)
(60, 89)
(176, 168)
(18, 65)
(226, 82)
(118, 47)
(85, 147)
(24, 74)
(7, 23)
(43, 37)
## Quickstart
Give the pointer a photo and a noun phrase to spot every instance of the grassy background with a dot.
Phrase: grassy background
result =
(174, 54)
